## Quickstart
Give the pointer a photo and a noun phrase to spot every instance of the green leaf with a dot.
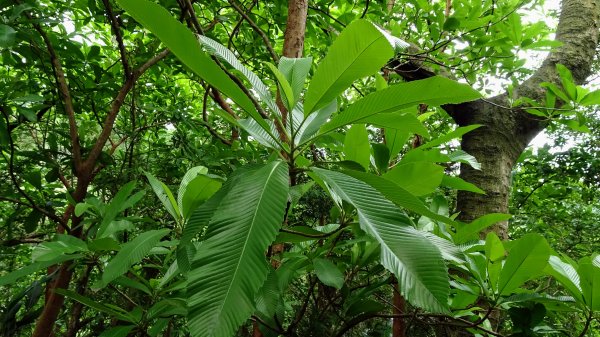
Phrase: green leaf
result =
(115, 207)
(103, 244)
(117, 331)
(495, 253)
(360, 50)
(592, 98)
(381, 157)
(197, 191)
(165, 196)
(7, 36)
(313, 122)
(328, 273)
(63, 244)
(398, 195)
(184, 45)
(286, 89)
(395, 141)
(295, 71)
(589, 276)
(227, 55)
(418, 178)
(262, 136)
(187, 177)
(471, 230)
(401, 121)
(526, 260)
(34, 267)
(230, 267)
(459, 184)
(131, 253)
(435, 90)
(357, 147)
(567, 81)
(405, 251)
(566, 275)
(451, 24)
(121, 315)
(459, 132)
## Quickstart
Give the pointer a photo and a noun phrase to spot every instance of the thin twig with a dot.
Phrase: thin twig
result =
(257, 29)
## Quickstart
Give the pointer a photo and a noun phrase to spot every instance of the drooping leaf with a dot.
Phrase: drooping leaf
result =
(433, 91)
(360, 50)
(405, 251)
(458, 183)
(459, 132)
(526, 260)
(131, 253)
(230, 267)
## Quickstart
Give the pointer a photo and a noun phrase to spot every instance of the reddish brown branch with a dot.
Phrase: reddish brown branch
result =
(114, 23)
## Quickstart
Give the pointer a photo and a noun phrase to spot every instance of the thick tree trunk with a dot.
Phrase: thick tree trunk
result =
(506, 132)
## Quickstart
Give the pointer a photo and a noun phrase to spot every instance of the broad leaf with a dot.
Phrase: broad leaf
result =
(295, 71)
(287, 94)
(183, 44)
(471, 230)
(197, 191)
(526, 260)
(405, 251)
(230, 267)
(357, 147)
(131, 253)
(115, 207)
(433, 91)
(328, 273)
(402, 121)
(567, 275)
(165, 196)
(418, 178)
(458, 183)
(119, 314)
(189, 176)
(360, 50)
(589, 275)
(34, 267)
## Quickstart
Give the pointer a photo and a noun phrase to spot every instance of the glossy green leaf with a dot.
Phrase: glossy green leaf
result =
(405, 251)
(458, 184)
(591, 98)
(230, 267)
(401, 121)
(295, 71)
(359, 51)
(526, 260)
(589, 276)
(495, 254)
(459, 132)
(34, 267)
(165, 196)
(433, 91)
(328, 273)
(471, 230)
(287, 94)
(418, 178)
(131, 253)
(183, 44)
(197, 191)
(115, 207)
(189, 176)
(357, 147)
(566, 275)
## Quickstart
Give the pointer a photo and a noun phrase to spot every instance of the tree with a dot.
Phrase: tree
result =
(203, 257)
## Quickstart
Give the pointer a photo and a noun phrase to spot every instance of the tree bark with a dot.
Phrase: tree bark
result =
(507, 131)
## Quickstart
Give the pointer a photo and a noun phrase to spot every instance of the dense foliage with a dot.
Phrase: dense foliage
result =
(166, 173)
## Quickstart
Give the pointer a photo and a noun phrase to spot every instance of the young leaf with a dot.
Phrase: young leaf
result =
(197, 191)
(526, 260)
(131, 253)
(286, 90)
(433, 91)
(360, 50)
(295, 71)
(230, 267)
(405, 251)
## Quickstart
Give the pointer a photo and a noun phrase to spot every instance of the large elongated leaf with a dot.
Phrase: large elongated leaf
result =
(295, 71)
(433, 91)
(357, 147)
(405, 251)
(360, 50)
(566, 274)
(230, 267)
(419, 178)
(131, 252)
(189, 176)
(115, 207)
(120, 314)
(165, 196)
(34, 267)
(183, 44)
(526, 260)
(198, 190)
(589, 275)
(227, 55)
